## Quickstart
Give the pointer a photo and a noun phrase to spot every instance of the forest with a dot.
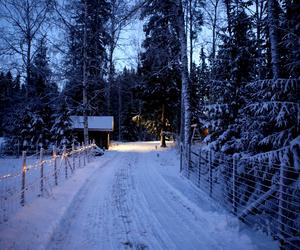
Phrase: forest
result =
(219, 75)
(231, 67)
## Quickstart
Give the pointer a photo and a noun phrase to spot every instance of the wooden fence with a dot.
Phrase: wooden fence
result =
(38, 174)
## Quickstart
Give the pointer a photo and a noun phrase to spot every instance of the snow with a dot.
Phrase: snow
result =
(132, 197)
(95, 123)
(2, 141)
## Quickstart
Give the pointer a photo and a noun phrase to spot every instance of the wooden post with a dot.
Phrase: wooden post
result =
(188, 159)
(79, 156)
(54, 155)
(88, 153)
(18, 148)
(210, 163)
(234, 173)
(181, 158)
(282, 190)
(108, 140)
(73, 156)
(84, 155)
(65, 161)
(23, 178)
(199, 168)
(42, 172)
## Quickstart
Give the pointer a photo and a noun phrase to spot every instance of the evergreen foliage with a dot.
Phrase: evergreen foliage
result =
(98, 12)
(160, 69)
(62, 126)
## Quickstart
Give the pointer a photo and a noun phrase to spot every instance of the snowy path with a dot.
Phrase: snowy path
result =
(133, 203)
(131, 198)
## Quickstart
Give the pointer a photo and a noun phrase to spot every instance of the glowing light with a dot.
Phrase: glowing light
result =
(137, 147)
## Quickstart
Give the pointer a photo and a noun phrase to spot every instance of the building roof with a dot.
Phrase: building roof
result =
(95, 123)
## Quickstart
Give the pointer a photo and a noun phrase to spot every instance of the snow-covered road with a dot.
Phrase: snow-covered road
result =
(137, 200)
(133, 203)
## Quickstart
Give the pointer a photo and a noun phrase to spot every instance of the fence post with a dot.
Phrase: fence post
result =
(42, 171)
(54, 155)
(210, 172)
(83, 146)
(181, 165)
(65, 161)
(73, 156)
(199, 168)
(79, 156)
(188, 158)
(23, 178)
(18, 148)
(88, 151)
(282, 191)
(234, 175)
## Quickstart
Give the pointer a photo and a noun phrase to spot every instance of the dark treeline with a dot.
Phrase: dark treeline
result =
(235, 75)
(230, 67)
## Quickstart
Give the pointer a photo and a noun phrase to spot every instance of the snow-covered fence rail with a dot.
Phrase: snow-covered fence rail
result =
(38, 174)
(262, 190)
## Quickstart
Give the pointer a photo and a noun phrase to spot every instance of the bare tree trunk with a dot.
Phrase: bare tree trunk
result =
(28, 64)
(163, 121)
(119, 111)
(258, 13)
(110, 55)
(84, 89)
(185, 92)
(214, 31)
(273, 38)
(191, 34)
(26, 18)
(228, 13)
(110, 80)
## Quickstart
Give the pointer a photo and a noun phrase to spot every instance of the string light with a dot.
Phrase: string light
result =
(10, 191)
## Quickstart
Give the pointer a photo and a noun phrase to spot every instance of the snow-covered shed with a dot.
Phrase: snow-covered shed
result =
(100, 128)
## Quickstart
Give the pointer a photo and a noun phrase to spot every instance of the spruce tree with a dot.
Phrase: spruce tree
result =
(235, 67)
(160, 69)
(62, 127)
(97, 38)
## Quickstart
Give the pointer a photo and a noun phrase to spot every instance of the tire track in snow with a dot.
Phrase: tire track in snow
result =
(124, 188)
(87, 223)
(128, 204)
(176, 223)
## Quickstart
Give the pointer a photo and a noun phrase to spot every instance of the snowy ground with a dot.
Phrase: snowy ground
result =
(131, 198)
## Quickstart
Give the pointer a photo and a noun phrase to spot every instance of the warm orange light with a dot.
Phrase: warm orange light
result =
(205, 132)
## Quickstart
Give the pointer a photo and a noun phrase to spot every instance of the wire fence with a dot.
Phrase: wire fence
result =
(263, 192)
(38, 174)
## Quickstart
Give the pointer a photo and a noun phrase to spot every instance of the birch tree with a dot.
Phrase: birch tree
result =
(118, 20)
(23, 23)
(86, 59)
(185, 93)
(272, 5)
(84, 82)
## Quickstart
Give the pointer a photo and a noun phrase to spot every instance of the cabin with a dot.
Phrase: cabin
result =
(99, 127)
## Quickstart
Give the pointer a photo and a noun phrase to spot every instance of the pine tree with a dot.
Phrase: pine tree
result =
(6, 97)
(125, 105)
(235, 67)
(62, 127)
(95, 59)
(160, 69)
(200, 95)
(41, 93)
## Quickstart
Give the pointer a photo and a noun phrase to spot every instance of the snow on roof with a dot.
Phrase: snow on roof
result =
(95, 123)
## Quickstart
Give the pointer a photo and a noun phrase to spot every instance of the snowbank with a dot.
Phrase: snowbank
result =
(33, 225)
